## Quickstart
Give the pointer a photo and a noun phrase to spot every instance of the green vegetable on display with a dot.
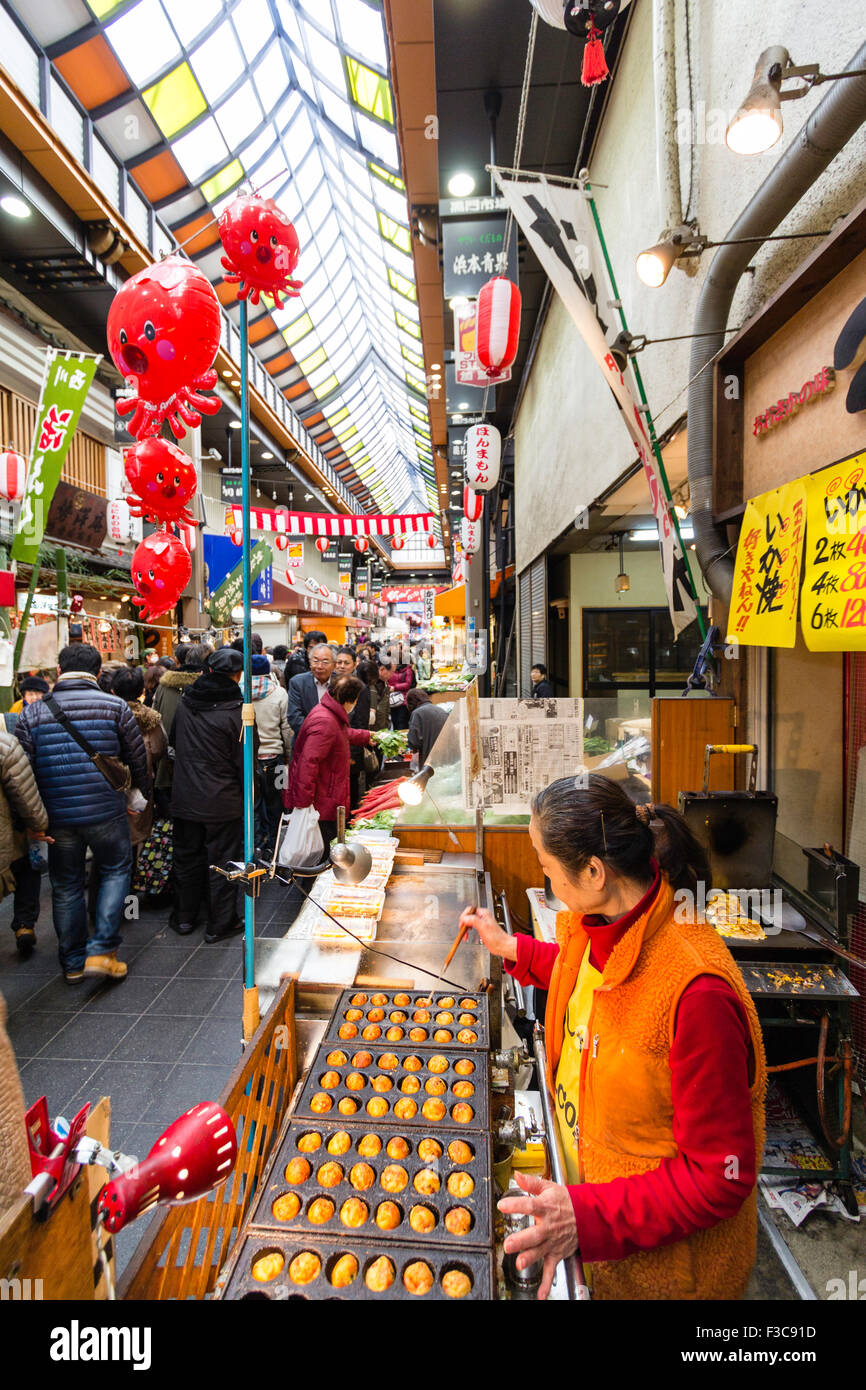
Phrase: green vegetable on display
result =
(392, 742)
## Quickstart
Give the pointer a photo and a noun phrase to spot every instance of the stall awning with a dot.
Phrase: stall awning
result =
(452, 603)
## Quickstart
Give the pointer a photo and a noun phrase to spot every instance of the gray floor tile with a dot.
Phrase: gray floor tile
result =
(186, 1086)
(218, 1041)
(162, 960)
(212, 965)
(59, 1081)
(134, 995)
(132, 1087)
(30, 1033)
(231, 1002)
(190, 996)
(58, 995)
(89, 1034)
(18, 990)
(156, 1039)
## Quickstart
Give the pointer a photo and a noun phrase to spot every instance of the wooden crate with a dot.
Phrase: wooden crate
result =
(182, 1253)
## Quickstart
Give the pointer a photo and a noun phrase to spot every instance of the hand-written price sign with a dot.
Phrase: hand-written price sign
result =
(833, 603)
(767, 577)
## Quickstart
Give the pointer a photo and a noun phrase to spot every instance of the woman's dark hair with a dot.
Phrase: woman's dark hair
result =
(180, 652)
(578, 821)
(368, 672)
(128, 682)
(346, 690)
(152, 677)
(196, 656)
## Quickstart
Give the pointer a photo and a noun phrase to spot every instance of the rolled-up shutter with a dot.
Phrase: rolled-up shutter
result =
(532, 599)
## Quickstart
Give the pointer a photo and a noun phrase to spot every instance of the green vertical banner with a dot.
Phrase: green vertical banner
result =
(65, 385)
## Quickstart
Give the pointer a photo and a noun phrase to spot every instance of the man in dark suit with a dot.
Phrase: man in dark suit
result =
(307, 689)
(299, 661)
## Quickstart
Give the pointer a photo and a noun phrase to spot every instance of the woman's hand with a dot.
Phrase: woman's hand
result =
(554, 1235)
(497, 941)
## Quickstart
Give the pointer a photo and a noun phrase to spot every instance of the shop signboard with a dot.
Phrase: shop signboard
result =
(76, 516)
(429, 609)
(763, 610)
(225, 578)
(65, 385)
(231, 485)
(344, 572)
(473, 251)
(294, 554)
(468, 370)
(331, 555)
(833, 601)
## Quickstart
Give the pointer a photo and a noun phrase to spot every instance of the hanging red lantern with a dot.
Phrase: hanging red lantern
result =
(497, 324)
(482, 449)
(13, 475)
(261, 247)
(163, 333)
(163, 479)
(189, 535)
(281, 541)
(431, 542)
(322, 544)
(236, 537)
(398, 542)
(473, 504)
(160, 568)
(362, 544)
(324, 591)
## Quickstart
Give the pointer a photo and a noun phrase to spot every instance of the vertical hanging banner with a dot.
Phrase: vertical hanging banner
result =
(344, 572)
(763, 610)
(65, 385)
(557, 224)
(833, 601)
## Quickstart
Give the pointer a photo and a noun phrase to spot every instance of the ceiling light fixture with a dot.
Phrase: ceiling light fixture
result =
(234, 424)
(15, 207)
(267, 454)
(461, 184)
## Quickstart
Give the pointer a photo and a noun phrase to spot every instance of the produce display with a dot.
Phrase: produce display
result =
(392, 742)
(384, 798)
(383, 820)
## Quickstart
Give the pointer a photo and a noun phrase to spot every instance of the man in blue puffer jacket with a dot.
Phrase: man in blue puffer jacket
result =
(84, 810)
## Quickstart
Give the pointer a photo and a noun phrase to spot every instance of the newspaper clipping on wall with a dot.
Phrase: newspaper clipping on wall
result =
(525, 745)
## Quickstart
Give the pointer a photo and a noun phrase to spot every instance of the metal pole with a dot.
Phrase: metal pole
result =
(251, 996)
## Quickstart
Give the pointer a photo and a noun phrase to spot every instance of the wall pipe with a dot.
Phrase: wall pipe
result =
(824, 134)
(665, 85)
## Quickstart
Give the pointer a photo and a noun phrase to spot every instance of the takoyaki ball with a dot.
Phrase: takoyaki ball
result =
(377, 1107)
(422, 1220)
(329, 1080)
(455, 1283)
(447, 1001)
(380, 1275)
(426, 1181)
(437, 1064)
(359, 999)
(405, 1109)
(298, 1170)
(347, 1106)
(369, 1145)
(425, 1002)
(466, 1035)
(394, 1178)
(362, 1059)
(398, 1016)
(409, 1085)
(339, 1143)
(418, 1278)
(446, 1017)
(402, 1000)
(442, 1035)
(388, 1216)
(462, 1113)
(381, 1083)
(308, 1143)
(463, 1089)
(429, 1150)
(433, 1110)
(418, 1034)
(378, 999)
(329, 1175)
(321, 1102)
(353, 1212)
(352, 1015)
(435, 1086)
(394, 1034)
(388, 1061)
(320, 1210)
(412, 1063)
(458, 1221)
(397, 1147)
(464, 1067)
(347, 1030)
(355, 1081)
(336, 1059)
(361, 1176)
(461, 1184)
(421, 1016)
(305, 1267)
(468, 1003)
(267, 1267)
(371, 1032)
(459, 1151)
(466, 1020)
(287, 1206)
(375, 1015)
(344, 1271)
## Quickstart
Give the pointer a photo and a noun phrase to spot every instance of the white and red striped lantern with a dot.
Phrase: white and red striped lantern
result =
(473, 504)
(324, 591)
(281, 541)
(482, 451)
(311, 586)
(432, 542)
(118, 522)
(397, 542)
(497, 324)
(236, 537)
(289, 578)
(470, 536)
(322, 544)
(13, 475)
(362, 544)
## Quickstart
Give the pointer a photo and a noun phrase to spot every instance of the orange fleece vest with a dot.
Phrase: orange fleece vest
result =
(625, 1106)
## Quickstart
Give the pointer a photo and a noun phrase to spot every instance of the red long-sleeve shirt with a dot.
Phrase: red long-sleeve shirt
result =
(711, 1063)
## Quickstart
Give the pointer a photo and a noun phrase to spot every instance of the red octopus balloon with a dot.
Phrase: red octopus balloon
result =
(261, 247)
(161, 567)
(163, 479)
(163, 335)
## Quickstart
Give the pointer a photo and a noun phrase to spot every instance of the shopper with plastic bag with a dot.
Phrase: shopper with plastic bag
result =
(319, 770)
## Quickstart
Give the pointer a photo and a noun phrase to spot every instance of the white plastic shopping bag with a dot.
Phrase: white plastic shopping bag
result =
(301, 847)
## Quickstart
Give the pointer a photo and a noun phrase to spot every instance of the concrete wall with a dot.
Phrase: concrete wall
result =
(592, 577)
(570, 443)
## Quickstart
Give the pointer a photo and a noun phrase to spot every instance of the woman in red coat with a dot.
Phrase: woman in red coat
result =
(319, 770)
(401, 680)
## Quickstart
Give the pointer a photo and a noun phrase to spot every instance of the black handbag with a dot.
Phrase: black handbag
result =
(116, 773)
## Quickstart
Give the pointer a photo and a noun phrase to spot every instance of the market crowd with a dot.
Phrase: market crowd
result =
(132, 776)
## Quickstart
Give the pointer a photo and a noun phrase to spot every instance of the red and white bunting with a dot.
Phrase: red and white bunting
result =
(322, 524)
(498, 331)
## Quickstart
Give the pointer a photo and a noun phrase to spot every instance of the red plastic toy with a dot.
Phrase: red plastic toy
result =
(161, 567)
(163, 335)
(261, 249)
(163, 479)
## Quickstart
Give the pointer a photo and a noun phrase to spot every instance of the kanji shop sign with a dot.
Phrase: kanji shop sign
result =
(467, 369)
(77, 516)
(64, 389)
(833, 601)
(472, 251)
(818, 385)
(763, 610)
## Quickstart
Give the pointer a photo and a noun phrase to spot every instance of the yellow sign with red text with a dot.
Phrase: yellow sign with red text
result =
(833, 601)
(763, 610)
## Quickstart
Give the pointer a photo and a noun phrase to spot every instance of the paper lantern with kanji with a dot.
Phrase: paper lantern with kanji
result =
(473, 504)
(482, 448)
(497, 324)
(281, 541)
(322, 544)
(362, 544)
(13, 475)
(118, 522)
(160, 568)
(470, 536)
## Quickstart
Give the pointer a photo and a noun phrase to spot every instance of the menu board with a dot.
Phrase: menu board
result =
(763, 610)
(525, 745)
(833, 601)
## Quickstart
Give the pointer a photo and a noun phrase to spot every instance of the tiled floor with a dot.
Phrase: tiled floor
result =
(166, 1037)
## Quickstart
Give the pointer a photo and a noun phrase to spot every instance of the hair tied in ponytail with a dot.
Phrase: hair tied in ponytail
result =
(646, 813)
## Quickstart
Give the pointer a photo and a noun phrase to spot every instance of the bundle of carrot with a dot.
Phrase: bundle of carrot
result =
(384, 798)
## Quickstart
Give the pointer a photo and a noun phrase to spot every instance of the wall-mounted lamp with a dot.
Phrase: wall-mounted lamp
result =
(684, 243)
(758, 123)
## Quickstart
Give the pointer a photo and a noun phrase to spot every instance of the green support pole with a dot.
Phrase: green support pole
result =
(251, 998)
(651, 429)
(62, 584)
(25, 616)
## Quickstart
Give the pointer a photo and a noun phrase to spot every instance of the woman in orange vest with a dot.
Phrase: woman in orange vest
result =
(655, 1055)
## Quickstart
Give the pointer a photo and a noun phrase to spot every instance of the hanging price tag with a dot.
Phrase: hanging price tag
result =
(833, 601)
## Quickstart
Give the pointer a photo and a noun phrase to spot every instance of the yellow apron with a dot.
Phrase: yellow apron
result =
(574, 1041)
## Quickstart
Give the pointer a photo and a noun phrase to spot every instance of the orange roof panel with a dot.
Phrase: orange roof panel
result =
(93, 72)
(159, 177)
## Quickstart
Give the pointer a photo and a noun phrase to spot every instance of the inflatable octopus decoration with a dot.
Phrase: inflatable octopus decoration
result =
(163, 479)
(261, 249)
(161, 568)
